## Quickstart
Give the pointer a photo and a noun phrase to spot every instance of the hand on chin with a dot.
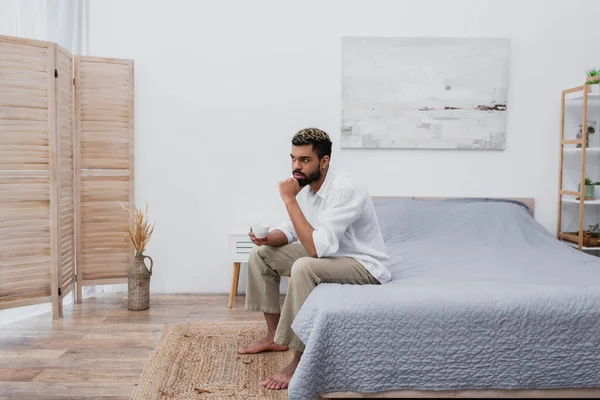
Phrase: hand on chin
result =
(289, 188)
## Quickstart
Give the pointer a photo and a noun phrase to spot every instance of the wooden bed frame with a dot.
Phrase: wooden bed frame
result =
(471, 393)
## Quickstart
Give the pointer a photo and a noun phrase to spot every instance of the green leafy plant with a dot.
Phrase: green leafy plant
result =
(589, 189)
(591, 126)
(593, 76)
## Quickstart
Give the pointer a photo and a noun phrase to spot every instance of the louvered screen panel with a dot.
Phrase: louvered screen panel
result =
(104, 168)
(64, 121)
(104, 253)
(26, 132)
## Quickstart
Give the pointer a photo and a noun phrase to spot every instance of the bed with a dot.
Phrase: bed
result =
(483, 302)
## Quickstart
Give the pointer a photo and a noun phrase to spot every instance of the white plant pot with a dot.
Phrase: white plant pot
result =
(595, 88)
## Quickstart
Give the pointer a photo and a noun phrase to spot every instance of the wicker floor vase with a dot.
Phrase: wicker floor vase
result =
(139, 284)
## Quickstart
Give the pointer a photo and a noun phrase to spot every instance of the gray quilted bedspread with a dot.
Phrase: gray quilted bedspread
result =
(482, 296)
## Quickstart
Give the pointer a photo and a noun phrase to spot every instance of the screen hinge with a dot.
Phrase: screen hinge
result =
(56, 73)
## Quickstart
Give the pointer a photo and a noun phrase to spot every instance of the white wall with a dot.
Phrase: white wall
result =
(223, 86)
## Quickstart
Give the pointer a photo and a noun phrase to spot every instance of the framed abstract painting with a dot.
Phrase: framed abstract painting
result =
(424, 93)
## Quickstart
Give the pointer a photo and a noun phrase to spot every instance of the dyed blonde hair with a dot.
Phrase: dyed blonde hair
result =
(317, 138)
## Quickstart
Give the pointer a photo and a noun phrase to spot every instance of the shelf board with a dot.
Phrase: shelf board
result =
(578, 150)
(572, 200)
(577, 246)
(572, 240)
(578, 97)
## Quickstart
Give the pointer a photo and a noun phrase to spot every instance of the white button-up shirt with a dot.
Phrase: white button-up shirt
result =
(345, 223)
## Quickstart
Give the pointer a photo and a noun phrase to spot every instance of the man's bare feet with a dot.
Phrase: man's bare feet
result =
(264, 344)
(281, 379)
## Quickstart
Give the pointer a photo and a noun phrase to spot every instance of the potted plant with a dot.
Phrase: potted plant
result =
(589, 131)
(139, 233)
(589, 189)
(593, 79)
(594, 231)
(597, 192)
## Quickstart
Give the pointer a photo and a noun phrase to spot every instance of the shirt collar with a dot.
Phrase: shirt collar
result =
(324, 189)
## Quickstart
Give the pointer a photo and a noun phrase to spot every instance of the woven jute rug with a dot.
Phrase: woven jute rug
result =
(200, 361)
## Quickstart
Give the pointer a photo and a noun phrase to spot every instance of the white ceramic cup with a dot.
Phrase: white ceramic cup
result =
(260, 230)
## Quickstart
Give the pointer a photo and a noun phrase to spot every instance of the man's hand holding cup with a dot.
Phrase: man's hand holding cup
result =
(258, 234)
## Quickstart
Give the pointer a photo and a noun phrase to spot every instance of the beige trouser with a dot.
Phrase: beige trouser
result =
(267, 265)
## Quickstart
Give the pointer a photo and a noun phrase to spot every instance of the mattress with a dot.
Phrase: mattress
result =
(481, 297)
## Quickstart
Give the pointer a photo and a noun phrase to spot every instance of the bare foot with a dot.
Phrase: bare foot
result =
(281, 379)
(264, 344)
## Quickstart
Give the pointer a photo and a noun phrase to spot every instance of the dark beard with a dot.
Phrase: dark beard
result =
(315, 176)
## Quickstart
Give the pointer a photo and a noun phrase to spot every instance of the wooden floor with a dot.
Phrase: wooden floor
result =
(99, 349)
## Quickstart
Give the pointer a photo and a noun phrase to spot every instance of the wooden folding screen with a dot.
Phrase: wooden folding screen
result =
(103, 168)
(65, 207)
(36, 192)
(66, 170)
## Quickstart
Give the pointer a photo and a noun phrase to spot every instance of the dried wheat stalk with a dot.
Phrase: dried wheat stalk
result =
(139, 229)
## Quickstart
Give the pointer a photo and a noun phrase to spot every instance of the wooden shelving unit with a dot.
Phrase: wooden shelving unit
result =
(580, 108)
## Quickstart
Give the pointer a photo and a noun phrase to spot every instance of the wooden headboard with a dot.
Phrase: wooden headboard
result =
(529, 202)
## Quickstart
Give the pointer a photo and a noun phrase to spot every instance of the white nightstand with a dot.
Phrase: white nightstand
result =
(240, 246)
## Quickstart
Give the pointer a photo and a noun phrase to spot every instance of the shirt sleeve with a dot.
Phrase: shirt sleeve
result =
(345, 208)
(288, 228)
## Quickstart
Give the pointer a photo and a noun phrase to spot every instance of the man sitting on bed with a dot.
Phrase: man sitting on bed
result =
(334, 221)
